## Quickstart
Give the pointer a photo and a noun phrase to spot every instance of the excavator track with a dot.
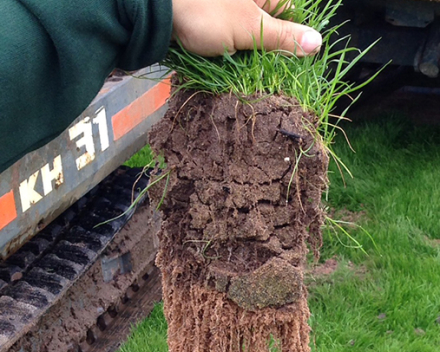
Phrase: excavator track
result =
(75, 284)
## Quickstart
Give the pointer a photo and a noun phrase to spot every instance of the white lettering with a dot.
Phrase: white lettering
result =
(56, 174)
(84, 128)
(101, 121)
(28, 194)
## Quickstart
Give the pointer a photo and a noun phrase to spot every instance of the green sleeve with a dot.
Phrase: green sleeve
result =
(55, 56)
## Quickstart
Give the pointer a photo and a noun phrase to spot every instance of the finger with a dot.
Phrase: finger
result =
(274, 5)
(291, 37)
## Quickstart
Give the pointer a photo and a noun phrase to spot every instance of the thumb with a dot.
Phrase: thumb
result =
(288, 36)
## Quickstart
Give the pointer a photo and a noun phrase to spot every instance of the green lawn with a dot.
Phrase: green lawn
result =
(388, 300)
(394, 305)
(141, 158)
(149, 335)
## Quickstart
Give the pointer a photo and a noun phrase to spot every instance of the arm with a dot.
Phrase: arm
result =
(56, 55)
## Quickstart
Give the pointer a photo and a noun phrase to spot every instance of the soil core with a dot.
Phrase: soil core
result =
(242, 204)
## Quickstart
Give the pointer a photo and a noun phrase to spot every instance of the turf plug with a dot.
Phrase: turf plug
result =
(247, 140)
(232, 246)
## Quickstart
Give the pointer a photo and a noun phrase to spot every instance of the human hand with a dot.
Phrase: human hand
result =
(208, 27)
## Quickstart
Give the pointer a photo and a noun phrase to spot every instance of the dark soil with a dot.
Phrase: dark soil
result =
(234, 236)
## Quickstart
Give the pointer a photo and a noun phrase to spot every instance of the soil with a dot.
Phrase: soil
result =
(242, 204)
(350, 217)
(317, 275)
(325, 269)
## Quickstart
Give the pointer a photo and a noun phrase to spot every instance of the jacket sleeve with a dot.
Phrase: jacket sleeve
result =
(55, 56)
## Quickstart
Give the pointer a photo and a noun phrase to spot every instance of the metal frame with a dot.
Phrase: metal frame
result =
(45, 182)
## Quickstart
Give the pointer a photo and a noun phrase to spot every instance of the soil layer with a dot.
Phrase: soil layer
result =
(242, 203)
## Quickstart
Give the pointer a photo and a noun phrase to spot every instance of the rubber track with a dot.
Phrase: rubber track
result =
(36, 276)
(115, 325)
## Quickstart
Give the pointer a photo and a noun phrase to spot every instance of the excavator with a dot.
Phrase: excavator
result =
(64, 281)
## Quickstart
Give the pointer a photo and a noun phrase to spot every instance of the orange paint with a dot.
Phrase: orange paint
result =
(132, 115)
(8, 212)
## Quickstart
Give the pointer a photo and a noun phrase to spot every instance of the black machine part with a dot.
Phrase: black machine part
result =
(40, 281)
(409, 32)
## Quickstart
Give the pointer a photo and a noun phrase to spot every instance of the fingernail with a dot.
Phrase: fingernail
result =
(311, 41)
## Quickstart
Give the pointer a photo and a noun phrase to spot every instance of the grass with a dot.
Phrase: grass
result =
(150, 334)
(141, 158)
(144, 159)
(395, 304)
(388, 299)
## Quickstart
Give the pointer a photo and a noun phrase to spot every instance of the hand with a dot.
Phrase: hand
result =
(209, 27)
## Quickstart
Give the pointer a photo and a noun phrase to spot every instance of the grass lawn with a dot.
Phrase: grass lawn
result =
(389, 299)
(141, 158)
